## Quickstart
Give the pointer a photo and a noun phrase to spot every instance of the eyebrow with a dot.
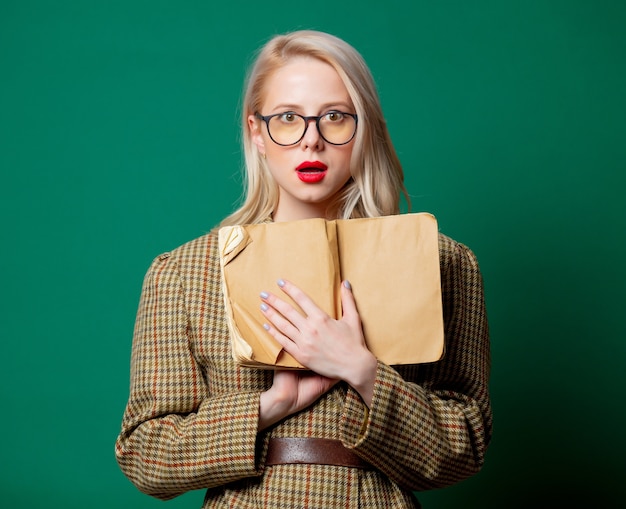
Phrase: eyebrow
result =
(326, 106)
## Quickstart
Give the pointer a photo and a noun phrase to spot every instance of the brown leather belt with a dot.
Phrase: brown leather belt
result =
(314, 451)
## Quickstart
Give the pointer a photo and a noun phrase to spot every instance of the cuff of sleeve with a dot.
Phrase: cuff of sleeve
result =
(241, 450)
(356, 419)
(361, 425)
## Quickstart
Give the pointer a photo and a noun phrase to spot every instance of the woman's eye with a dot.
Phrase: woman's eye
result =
(334, 116)
(288, 118)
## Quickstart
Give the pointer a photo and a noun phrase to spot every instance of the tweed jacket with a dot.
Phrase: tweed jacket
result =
(192, 414)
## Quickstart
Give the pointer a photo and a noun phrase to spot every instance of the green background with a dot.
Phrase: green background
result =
(119, 140)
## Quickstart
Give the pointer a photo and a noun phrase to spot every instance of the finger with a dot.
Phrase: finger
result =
(281, 324)
(348, 304)
(284, 308)
(285, 342)
(300, 297)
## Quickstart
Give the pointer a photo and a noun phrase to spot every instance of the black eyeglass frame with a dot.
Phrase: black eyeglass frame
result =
(307, 121)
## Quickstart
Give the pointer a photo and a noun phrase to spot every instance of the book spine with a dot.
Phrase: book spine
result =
(333, 248)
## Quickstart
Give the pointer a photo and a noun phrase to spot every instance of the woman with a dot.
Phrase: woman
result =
(352, 431)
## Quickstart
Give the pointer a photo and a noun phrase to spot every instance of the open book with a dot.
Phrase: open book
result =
(392, 263)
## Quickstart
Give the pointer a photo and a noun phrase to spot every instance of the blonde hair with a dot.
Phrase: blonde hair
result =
(377, 177)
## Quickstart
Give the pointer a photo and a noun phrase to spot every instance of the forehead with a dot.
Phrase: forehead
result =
(307, 83)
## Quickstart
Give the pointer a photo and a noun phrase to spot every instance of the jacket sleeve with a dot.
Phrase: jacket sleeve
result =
(175, 436)
(429, 425)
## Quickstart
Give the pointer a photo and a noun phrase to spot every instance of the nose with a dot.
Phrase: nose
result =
(312, 138)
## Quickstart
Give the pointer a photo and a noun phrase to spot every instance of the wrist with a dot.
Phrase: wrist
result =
(272, 408)
(362, 378)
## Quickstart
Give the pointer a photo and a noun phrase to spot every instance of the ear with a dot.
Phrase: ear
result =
(256, 134)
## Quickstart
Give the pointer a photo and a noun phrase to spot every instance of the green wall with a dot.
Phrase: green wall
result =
(119, 140)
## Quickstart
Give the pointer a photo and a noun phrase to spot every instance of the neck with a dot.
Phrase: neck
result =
(283, 212)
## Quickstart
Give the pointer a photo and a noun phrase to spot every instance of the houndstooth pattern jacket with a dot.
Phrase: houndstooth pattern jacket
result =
(191, 418)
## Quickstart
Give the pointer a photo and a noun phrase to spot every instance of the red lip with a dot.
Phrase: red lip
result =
(311, 172)
(312, 165)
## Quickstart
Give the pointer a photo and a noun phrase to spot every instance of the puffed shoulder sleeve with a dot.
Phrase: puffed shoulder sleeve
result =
(429, 425)
(175, 435)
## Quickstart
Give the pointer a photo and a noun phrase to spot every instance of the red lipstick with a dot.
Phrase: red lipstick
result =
(311, 172)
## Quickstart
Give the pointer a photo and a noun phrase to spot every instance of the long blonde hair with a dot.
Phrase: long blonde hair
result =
(377, 177)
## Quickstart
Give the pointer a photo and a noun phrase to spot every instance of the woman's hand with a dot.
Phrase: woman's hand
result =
(334, 349)
(291, 391)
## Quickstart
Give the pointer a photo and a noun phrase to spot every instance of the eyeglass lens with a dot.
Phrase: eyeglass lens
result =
(335, 127)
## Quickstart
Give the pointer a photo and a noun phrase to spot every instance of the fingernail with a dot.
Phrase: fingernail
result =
(280, 283)
(347, 284)
(264, 307)
(266, 326)
(264, 295)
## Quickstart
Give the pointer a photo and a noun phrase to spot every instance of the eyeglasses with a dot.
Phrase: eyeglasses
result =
(335, 127)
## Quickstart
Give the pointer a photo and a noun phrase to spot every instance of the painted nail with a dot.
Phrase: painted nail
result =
(347, 284)
(264, 295)
(266, 326)
(264, 307)
(280, 283)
